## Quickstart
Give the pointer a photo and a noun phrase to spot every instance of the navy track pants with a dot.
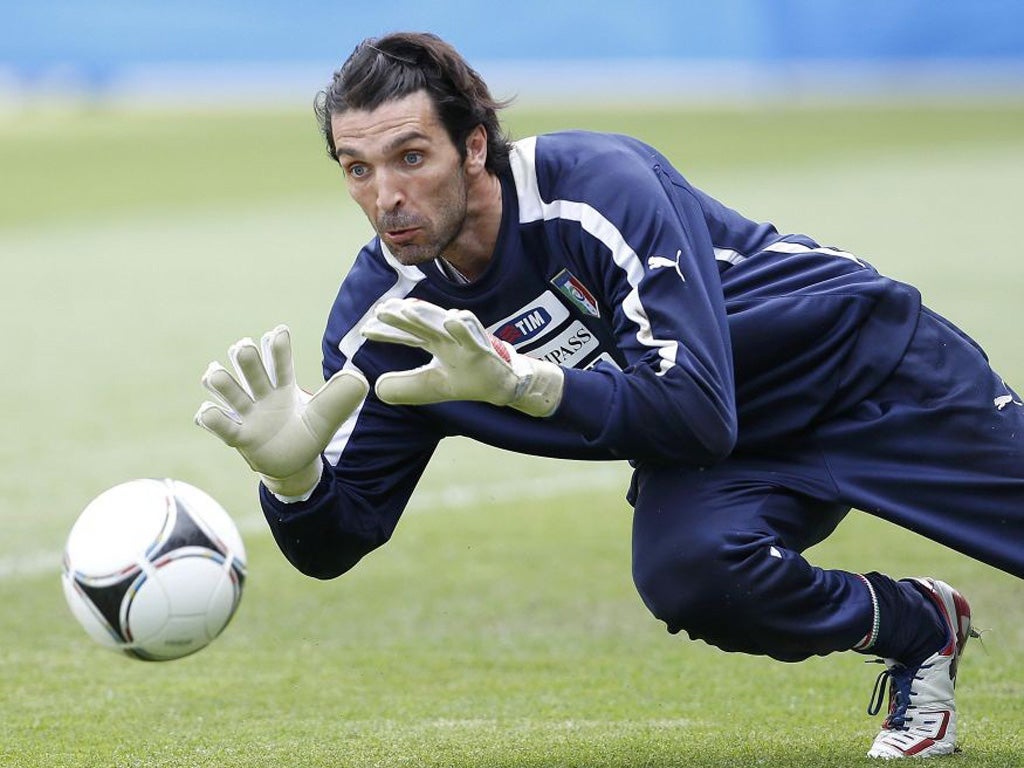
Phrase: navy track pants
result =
(938, 449)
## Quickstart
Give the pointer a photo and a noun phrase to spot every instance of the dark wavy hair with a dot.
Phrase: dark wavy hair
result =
(399, 64)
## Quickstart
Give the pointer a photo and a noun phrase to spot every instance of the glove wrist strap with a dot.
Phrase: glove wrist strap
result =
(539, 387)
(297, 487)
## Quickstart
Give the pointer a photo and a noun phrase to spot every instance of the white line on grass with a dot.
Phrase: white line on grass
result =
(451, 497)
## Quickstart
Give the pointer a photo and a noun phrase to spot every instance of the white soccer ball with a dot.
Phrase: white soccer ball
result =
(154, 568)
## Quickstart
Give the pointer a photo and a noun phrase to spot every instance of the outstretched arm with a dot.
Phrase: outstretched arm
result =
(324, 518)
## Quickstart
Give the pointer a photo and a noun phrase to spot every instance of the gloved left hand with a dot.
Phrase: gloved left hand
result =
(468, 362)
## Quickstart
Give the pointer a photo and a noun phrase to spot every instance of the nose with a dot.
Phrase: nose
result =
(390, 195)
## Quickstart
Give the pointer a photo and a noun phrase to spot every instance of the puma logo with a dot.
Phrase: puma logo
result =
(1004, 400)
(658, 262)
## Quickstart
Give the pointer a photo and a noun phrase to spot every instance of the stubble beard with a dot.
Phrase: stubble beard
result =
(445, 230)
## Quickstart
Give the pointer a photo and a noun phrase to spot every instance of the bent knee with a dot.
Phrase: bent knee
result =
(697, 588)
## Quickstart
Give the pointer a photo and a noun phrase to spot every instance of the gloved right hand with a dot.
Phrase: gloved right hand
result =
(279, 429)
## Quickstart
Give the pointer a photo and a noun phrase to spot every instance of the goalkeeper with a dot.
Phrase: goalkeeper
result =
(572, 295)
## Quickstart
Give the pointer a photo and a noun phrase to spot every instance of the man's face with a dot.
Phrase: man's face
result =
(404, 172)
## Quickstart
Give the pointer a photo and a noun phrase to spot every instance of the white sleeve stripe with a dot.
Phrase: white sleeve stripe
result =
(729, 255)
(735, 257)
(337, 445)
(785, 247)
(533, 208)
(408, 277)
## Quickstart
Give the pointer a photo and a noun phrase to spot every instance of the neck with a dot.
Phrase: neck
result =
(472, 250)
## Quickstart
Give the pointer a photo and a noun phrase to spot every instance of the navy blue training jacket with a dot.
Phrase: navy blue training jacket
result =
(688, 332)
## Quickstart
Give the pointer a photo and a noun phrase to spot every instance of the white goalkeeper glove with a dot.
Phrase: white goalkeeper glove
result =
(279, 429)
(468, 363)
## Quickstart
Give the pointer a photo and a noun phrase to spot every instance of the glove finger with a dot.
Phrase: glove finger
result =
(375, 330)
(221, 383)
(252, 373)
(334, 402)
(213, 418)
(417, 318)
(410, 306)
(276, 346)
(468, 331)
(424, 313)
(420, 386)
(463, 326)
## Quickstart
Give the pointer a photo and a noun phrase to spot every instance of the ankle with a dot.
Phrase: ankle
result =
(910, 625)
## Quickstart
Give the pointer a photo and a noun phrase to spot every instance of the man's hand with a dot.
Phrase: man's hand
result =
(279, 429)
(468, 363)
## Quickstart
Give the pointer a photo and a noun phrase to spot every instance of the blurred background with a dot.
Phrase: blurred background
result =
(164, 191)
(728, 51)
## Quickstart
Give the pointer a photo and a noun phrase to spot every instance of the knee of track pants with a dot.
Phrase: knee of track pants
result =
(711, 588)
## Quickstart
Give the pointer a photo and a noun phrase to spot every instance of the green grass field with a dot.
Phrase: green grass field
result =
(500, 626)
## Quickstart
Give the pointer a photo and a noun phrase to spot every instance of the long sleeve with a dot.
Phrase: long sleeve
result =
(361, 495)
(643, 246)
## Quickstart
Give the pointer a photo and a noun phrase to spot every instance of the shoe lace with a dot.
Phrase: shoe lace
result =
(900, 680)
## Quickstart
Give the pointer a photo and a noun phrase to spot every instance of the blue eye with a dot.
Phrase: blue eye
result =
(413, 158)
(356, 171)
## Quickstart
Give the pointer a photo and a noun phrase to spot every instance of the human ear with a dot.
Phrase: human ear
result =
(476, 148)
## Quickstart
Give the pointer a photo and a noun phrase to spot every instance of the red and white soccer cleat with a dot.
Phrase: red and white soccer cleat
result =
(922, 713)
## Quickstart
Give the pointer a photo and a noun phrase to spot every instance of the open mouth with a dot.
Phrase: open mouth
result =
(401, 236)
